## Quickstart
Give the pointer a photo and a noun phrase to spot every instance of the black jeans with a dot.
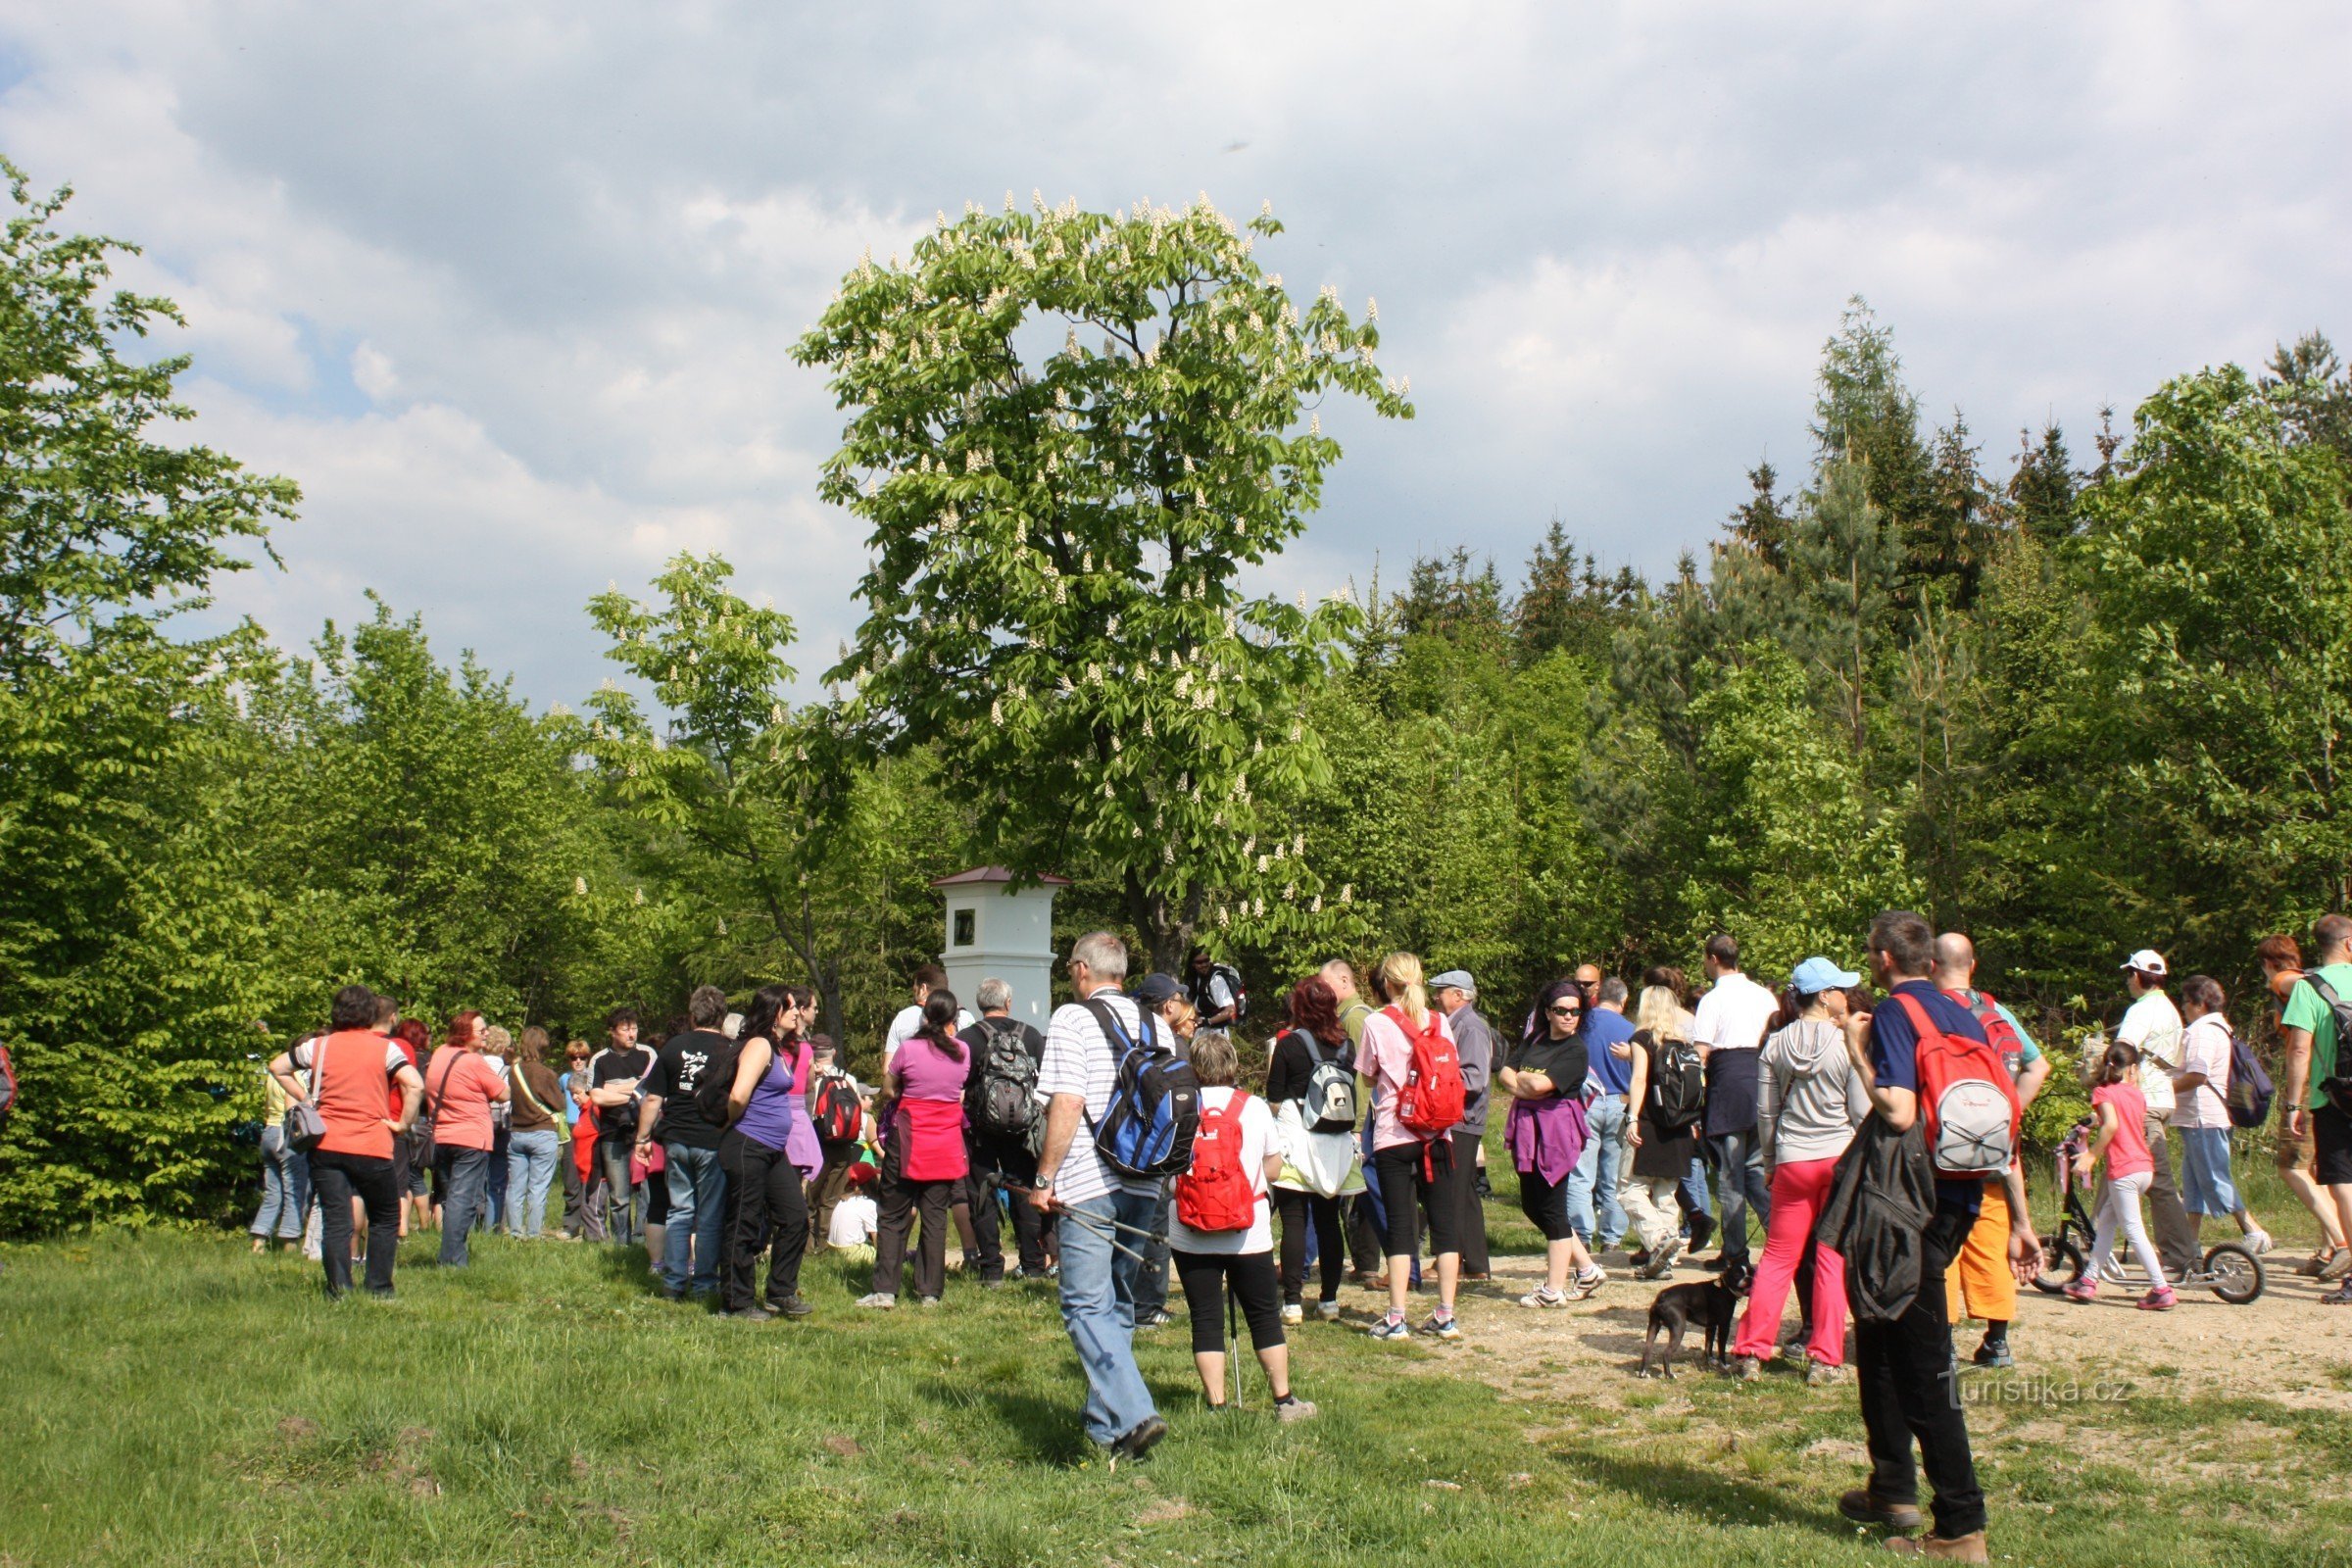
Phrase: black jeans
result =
(765, 1205)
(1411, 1175)
(337, 1179)
(994, 1169)
(1910, 1392)
(1295, 1208)
(901, 1198)
(1203, 1276)
(1473, 1222)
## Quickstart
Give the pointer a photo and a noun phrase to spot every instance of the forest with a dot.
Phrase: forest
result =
(2077, 698)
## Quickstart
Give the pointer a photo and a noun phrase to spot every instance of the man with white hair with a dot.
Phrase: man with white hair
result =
(1455, 994)
(998, 1043)
(1099, 1259)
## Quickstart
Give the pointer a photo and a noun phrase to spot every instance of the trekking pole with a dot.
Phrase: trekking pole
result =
(1233, 1343)
(1086, 1223)
(1145, 1231)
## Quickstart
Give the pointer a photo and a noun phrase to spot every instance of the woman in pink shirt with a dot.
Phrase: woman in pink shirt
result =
(2122, 1111)
(461, 1087)
(926, 1157)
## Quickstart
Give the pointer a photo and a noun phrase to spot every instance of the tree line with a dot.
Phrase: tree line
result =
(2085, 707)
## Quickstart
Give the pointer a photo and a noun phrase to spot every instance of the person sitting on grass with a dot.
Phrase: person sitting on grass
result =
(2120, 1108)
(1234, 1156)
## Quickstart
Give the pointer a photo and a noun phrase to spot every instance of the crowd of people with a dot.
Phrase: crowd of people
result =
(1871, 1125)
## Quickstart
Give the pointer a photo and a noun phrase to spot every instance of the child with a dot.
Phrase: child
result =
(2121, 1110)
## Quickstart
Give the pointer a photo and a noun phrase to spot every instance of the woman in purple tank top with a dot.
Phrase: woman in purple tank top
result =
(764, 1189)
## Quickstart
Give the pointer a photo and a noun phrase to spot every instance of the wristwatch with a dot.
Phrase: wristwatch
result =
(1045, 1184)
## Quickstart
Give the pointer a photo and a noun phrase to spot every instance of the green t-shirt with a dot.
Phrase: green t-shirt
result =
(1353, 1014)
(2305, 1010)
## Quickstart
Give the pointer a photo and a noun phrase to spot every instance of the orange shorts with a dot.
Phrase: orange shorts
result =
(1980, 1283)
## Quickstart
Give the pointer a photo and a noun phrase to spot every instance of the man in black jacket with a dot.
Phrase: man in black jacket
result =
(1909, 1387)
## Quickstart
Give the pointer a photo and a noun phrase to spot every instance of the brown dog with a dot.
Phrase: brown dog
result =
(1710, 1303)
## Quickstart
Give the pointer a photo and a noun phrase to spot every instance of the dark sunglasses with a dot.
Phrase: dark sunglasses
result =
(1562, 1010)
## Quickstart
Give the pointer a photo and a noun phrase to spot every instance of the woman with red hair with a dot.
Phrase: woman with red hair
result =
(1319, 1168)
(460, 1088)
(412, 1151)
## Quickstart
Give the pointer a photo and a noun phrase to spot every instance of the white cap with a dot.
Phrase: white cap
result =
(2147, 961)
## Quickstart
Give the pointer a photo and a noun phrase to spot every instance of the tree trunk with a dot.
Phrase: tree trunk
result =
(1167, 935)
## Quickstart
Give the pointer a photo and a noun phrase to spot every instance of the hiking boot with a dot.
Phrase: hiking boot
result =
(751, 1314)
(1865, 1509)
(1139, 1440)
(1662, 1260)
(1447, 1327)
(791, 1306)
(2338, 1264)
(1585, 1284)
(1391, 1327)
(2159, 1300)
(2341, 1295)
(1543, 1296)
(1293, 1312)
(1993, 1353)
(1745, 1369)
(1328, 1312)
(1822, 1375)
(1293, 1409)
(1954, 1549)
(879, 1301)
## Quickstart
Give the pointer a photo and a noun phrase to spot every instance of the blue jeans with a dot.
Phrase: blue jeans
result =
(2205, 1184)
(698, 1198)
(285, 1188)
(1593, 1185)
(1693, 1193)
(464, 1189)
(624, 1200)
(1097, 1309)
(1739, 1172)
(530, 1171)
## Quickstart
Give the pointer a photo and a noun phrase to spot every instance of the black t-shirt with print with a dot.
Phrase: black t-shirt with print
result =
(619, 1123)
(679, 1069)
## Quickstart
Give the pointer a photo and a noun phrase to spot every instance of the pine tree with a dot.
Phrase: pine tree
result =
(2041, 492)
(1762, 522)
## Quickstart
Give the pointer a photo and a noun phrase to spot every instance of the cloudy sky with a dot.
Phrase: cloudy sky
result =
(509, 289)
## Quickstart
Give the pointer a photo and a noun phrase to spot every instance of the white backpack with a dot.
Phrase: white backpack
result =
(1330, 1103)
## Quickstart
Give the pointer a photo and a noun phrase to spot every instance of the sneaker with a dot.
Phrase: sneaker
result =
(1293, 1312)
(1447, 1327)
(1822, 1375)
(2257, 1241)
(1328, 1312)
(1794, 1352)
(1863, 1508)
(2341, 1295)
(2338, 1264)
(2159, 1300)
(1745, 1368)
(1993, 1353)
(1637, 1261)
(1662, 1260)
(791, 1306)
(1543, 1296)
(1585, 1284)
(1391, 1327)
(1153, 1320)
(1139, 1440)
(1293, 1409)
(927, 1301)
(2082, 1290)
(673, 1292)
(751, 1314)
(878, 1301)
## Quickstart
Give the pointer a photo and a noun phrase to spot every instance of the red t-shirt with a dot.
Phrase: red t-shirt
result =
(347, 1073)
(463, 1086)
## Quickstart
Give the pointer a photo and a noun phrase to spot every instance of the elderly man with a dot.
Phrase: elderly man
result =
(1455, 994)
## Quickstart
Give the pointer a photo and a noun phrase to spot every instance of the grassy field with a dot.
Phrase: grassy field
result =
(174, 1400)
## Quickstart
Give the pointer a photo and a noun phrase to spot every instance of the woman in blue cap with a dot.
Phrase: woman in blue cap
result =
(1809, 1100)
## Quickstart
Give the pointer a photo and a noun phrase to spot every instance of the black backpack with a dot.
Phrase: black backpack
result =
(716, 1085)
(1147, 1130)
(1197, 989)
(1329, 1105)
(1005, 1099)
(1678, 1085)
(2338, 1089)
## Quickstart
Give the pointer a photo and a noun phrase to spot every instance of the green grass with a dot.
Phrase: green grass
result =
(174, 1400)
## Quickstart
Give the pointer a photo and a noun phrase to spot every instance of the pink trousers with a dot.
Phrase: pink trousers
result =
(1798, 1190)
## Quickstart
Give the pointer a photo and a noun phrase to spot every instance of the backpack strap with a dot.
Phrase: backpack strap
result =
(455, 1054)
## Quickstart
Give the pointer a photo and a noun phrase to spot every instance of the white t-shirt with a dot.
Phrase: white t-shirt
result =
(1732, 1015)
(909, 1020)
(2205, 1048)
(855, 1219)
(2152, 1024)
(1078, 1061)
(1257, 1142)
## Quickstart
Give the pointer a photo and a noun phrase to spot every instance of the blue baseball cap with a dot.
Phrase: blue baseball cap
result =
(1816, 975)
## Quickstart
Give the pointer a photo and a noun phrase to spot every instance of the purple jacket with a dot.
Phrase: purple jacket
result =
(1547, 1136)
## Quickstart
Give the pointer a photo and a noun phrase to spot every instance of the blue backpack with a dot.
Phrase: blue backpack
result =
(2250, 1088)
(1147, 1130)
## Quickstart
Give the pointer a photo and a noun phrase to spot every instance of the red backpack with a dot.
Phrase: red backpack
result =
(2006, 1041)
(1215, 1193)
(1430, 1105)
(1967, 1104)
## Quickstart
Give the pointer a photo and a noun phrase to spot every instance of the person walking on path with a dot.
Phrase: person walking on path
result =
(463, 1087)
(1596, 1204)
(1545, 1131)
(2281, 960)
(1908, 1385)
(1320, 1169)
(2152, 1027)
(1980, 1284)
(764, 1206)
(670, 1108)
(2201, 1114)
(1664, 1138)
(535, 1136)
(1455, 994)
(2319, 1087)
(2121, 1143)
(1809, 1100)
(1728, 1032)
(1102, 1211)
(351, 1070)
(925, 1159)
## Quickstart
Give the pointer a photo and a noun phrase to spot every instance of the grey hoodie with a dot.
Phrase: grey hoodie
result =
(1809, 1100)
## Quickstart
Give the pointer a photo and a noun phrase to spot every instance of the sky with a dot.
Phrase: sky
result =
(510, 290)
